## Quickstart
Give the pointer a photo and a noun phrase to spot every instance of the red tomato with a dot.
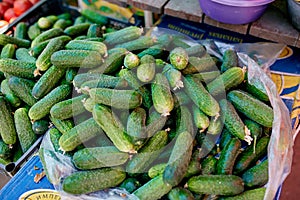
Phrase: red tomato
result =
(20, 6)
(9, 13)
(11, 2)
(3, 7)
(34, 1)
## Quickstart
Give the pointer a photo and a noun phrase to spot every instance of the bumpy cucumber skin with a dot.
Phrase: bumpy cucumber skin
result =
(33, 31)
(87, 45)
(209, 165)
(256, 176)
(99, 157)
(5, 39)
(113, 128)
(174, 76)
(18, 68)
(198, 65)
(124, 35)
(5, 152)
(201, 97)
(146, 71)
(77, 29)
(48, 34)
(148, 153)
(83, 182)
(153, 189)
(23, 54)
(42, 108)
(8, 51)
(230, 59)
(136, 123)
(10, 96)
(139, 44)
(257, 194)
(24, 129)
(161, 95)
(251, 107)
(94, 16)
(179, 193)
(179, 58)
(21, 30)
(216, 184)
(7, 129)
(40, 127)
(228, 156)
(156, 170)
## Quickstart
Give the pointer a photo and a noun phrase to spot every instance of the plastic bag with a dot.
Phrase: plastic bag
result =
(257, 57)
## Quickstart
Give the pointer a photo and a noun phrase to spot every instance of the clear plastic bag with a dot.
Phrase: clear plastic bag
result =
(257, 57)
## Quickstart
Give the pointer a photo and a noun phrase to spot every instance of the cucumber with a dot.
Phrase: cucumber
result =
(233, 122)
(46, 35)
(87, 45)
(24, 55)
(62, 23)
(80, 79)
(40, 127)
(63, 126)
(79, 134)
(8, 51)
(68, 108)
(94, 16)
(44, 23)
(256, 88)
(24, 130)
(179, 41)
(21, 30)
(79, 19)
(179, 159)
(174, 76)
(33, 31)
(231, 78)
(99, 157)
(256, 130)
(22, 88)
(121, 99)
(201, 120)
(161, 95)
(215, 126)
(37, 49)
(179, 58)
(5, 39)
(77, 29)
(113, 128)
(153, 189)
(157, 51)
(136, 125)
(198, 65)
(248, 157)
(155, 123)
(131, 61)
(139, 44)
(256, 176)
(226, 137)
(130, 184)
(179, 193)
(197, 50)
(10, 96)
(216, 184)
(6, 152)
(164, 40)
(47, 81)
(181, 98)
(206, 77)
(42, 108)
(124, 35)
(141, 161)
(95, 30)
(64, 15)
(228, 156)
(94, 180)
(157, 169)
(258, 193)
(251, 107)
(70, 74)
(43, 61)
(230, 59)
(201, 97)
(23, 69)
(146, 70)
(54, 135)
(194, 167)
(209, 165)
(184, 120)
(7, 129)
(84, 58)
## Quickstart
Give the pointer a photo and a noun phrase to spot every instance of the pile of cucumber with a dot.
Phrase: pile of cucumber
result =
(154, 115)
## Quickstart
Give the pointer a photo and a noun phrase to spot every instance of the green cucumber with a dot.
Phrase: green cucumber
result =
(230, 59)
(33, 31)
(23, 69)
(206, 77)
(146, 70)
(47, 81)
(256, 130)
(130, 184)
(179, 193)
(79, 19)
(80, 79)
(70, 74)
(6, 151)
(136, 126)
(94, 180)
(215, 126)
(40, 127)
(79, 134)
(131, 61)
(256, 176)
(216, 184)
(68, 108)
(228, 156)
(84, 58)
(46, 35)
(63, 126)
(42, 108)
(139, 44)
(157, 51)
(233, 122)
(184, 120)
(209, 165)
(94, 16)
(179, 159)
(201, 97)
(24, 130)
(153, 189)
(24, 55)
(8, 51)
(198, 65)
(194, 167)
(248, 157)
(44, 23)
(124, 35)
(201, 120)
(99, 157)
(258, 194)
(174, 76)
(62, 23)
(181, 98)
(231, 78)
(256, 88)
(43, 61)
(22, 88)
(21, 30)
(37, 49)
(77, 29)
(87, 45)
(226, 137)
(141, 161)
(121, 99)
(155, 122)
(7, 129)
(161, 95)
(157, 169)
(10, 96)
(113, 128)
(95, 30)
(179, 58)
(251, 107)
(5, 39)
(197, 50)
(88, 104)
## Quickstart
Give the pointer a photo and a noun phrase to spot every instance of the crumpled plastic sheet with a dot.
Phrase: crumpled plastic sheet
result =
(257, 57)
